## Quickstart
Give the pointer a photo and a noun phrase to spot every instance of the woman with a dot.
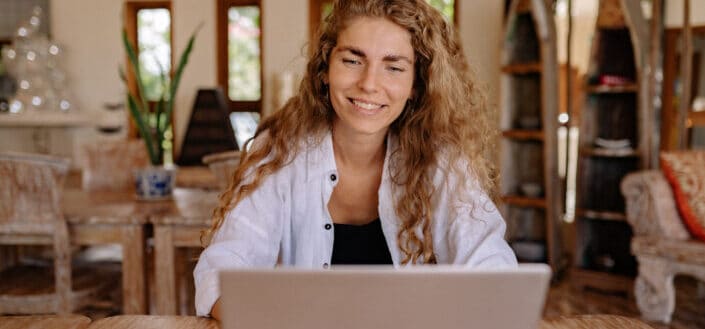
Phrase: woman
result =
(377, 159)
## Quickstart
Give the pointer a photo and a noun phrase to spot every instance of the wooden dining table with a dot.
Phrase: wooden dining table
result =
(98, 218)
(114, 217)
(71, 321)
(178, 225)
(600, 321)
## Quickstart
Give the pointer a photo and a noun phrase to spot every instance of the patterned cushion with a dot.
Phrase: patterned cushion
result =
(685, 171)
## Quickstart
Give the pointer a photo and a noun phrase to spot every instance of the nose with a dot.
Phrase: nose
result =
(368, 79)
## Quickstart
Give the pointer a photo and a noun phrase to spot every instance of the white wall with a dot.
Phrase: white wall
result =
(674, 13)
(201, 70)
(480, 26)
(89, 32)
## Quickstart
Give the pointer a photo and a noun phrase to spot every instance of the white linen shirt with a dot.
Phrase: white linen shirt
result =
(286, 218)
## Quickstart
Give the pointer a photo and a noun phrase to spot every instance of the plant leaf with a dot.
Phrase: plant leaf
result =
(135, 63)
(174, 84)
(143, 129)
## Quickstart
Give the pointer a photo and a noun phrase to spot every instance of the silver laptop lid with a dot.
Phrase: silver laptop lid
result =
(428, 297)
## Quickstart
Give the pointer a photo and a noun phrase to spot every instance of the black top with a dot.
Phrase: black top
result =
(360, 244)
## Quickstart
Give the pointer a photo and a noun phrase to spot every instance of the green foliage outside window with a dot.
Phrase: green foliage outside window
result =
(244, 67)
(154, 44)
(446, 7)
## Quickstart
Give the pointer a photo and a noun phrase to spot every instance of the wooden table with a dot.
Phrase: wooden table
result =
(601, 321)
(196, 177)
(191, 322)
(182, 322)
(154, 322)
(176, 226)
(117, 217)
(97, 218)
(45, 321)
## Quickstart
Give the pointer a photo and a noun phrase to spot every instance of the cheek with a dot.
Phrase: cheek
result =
(402, 89)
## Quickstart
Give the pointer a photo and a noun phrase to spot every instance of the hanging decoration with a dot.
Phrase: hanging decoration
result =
(34, 63)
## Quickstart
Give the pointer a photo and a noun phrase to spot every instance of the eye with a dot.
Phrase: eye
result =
(396, 69)
(350, 61)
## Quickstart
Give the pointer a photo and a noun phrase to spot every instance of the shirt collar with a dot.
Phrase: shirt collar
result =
(321, 159)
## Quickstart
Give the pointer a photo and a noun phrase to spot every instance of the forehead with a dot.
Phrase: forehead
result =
(376, 37)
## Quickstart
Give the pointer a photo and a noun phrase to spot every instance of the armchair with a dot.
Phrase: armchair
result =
(661, 243)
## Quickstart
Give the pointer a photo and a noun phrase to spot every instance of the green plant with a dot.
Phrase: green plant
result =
(152, 123)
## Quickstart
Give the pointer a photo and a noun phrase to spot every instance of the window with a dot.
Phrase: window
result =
(148, 25)
(149, 29)
(240, 53)
(154, 48)
(319, 9)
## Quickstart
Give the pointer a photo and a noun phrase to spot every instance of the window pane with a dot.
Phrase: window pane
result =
(446, 7)
(244, 54)
(154, 44)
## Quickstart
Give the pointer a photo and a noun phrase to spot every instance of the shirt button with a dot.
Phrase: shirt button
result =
(327, 226)
(325, 265)
(333, 177)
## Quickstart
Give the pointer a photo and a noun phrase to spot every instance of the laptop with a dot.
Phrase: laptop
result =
(428, 297)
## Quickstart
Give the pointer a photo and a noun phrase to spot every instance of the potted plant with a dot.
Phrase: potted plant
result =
(156, 181)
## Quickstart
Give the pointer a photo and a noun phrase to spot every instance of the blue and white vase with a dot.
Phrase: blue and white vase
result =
(154, 183)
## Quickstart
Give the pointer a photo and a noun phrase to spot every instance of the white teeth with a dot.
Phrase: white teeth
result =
(366, 106)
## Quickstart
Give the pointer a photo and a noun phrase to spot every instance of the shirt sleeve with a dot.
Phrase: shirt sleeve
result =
(249, 236)
(476, 235)
(474, 227)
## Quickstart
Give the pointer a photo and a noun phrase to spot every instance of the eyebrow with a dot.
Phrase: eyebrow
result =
(386, 58)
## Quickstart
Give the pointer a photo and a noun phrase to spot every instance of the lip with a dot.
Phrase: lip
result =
(366, 110)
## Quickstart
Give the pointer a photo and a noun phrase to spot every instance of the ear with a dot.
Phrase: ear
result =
(325, 78)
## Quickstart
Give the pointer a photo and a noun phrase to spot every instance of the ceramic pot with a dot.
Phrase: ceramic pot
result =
(154, 183)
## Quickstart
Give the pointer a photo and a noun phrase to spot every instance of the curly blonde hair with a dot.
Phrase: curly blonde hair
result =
(447, 114)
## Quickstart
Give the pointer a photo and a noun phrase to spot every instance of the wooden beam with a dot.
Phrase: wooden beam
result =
(686, 75)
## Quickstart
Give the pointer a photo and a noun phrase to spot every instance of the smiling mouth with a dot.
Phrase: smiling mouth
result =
(365, 105)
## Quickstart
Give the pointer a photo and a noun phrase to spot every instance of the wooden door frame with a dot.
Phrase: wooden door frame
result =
(669, 130)
(130, 25)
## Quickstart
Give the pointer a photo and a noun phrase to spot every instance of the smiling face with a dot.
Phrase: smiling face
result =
(370, 76)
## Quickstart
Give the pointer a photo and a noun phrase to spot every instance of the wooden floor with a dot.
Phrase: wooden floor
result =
(561, 300)
(689, 313)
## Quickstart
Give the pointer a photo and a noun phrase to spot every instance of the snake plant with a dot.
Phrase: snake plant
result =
(152, 123)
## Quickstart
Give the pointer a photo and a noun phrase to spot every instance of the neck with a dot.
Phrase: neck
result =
(359, 151)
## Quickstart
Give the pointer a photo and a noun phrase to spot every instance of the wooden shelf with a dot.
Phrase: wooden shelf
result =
(614, 112)
(601, 215)
(626, 152)
(524, 134)
(524, 201)
(607, 89)
(48, 119)
(696, 118)
(530, 91)
(522, 68)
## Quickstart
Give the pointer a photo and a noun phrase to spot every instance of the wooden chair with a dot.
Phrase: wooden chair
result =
(108, 166)
(113, 230)
(30, 214)
(222, 165)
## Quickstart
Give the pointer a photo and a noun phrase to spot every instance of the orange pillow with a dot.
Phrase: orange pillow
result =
(685, 172)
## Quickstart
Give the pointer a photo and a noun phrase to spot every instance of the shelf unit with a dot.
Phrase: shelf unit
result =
(531, 192)
(614, 141)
